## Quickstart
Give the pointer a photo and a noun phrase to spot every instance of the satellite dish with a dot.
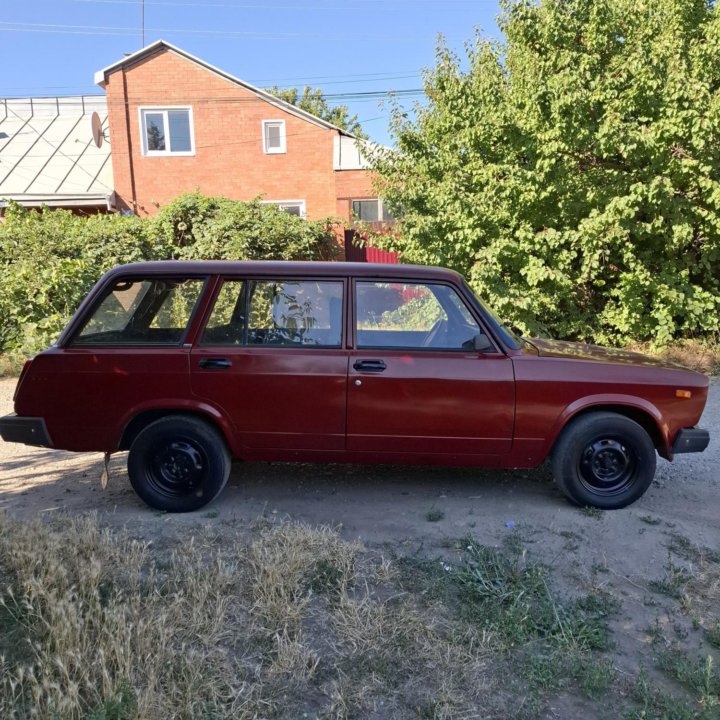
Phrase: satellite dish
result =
(97, 131)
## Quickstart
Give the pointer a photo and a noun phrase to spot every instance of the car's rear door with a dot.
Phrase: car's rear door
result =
(272, 359)
(416, 384)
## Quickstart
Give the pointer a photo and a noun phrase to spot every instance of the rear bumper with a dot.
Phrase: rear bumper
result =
(27, 430)
(690, 440)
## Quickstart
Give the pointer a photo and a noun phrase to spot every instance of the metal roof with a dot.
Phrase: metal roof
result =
(47, 152)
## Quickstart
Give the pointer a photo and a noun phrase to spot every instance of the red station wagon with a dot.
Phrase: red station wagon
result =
(190, 364)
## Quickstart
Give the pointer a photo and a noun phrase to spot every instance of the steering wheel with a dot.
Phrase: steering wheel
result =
(436, 332)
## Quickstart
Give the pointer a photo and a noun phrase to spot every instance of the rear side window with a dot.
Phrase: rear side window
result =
(151, 311)
(295, 312)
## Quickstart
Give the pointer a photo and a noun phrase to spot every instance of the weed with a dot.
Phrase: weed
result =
(504, 592)
(650, 520)
(123, 706)
(675, 581)
(593, 512)
(712, 635)
(434, 515)
(698, 675)
(326, 577)
(596, 677)
(657, 705)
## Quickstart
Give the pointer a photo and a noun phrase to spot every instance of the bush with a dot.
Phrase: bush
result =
(573, 171)
(50, 259)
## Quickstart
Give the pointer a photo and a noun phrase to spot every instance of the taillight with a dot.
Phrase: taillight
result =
(20, 379)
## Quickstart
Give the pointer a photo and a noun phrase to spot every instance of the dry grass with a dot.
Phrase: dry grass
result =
(11, 364)
(296, 622)
(110, 628)
(700, 355)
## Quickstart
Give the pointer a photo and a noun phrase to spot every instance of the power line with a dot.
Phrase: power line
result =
(114, 30)
(298, 82)
(229, 100)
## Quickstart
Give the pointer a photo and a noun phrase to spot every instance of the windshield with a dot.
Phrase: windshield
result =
(508, 337)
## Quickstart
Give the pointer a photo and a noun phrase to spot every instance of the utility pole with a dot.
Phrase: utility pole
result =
(142, 21)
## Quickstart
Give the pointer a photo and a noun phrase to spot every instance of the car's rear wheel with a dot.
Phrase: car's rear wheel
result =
(178, 464)
(605, 460)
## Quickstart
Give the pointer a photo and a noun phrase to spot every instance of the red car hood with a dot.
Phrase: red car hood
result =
(582, 351)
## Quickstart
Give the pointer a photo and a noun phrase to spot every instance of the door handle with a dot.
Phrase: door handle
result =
(372, 366)
(215, 363)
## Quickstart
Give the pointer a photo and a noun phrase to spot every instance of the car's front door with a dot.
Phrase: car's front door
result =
(416, 382)
(271, 357)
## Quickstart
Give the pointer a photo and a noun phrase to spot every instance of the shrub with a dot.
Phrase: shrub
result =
(50, 259)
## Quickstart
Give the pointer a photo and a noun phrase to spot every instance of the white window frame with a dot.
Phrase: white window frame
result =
(163, 109)
(280, 204)
(283, 142)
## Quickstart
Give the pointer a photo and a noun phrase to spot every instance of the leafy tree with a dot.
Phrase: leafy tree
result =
(313, 101)
(573, 170)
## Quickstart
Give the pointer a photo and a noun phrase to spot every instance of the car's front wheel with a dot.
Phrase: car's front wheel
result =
(604, 460)
(178, 464)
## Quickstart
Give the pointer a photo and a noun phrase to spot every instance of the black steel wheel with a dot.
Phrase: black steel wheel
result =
(604, 459)
(178, 463)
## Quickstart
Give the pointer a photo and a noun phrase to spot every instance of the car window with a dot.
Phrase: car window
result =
(226, 325)
(295, 312)
(151, 311)
(412, 315)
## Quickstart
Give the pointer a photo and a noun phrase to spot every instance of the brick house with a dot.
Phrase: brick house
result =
(177, 124)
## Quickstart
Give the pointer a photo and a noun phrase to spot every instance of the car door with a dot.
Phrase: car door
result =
(416, 383)
(271, 357)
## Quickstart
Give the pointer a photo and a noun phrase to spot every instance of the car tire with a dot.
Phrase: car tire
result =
(178, 464)
(604, 460)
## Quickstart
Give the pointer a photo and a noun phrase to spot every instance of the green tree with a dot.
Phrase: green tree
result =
(572, 170)
(313, 101)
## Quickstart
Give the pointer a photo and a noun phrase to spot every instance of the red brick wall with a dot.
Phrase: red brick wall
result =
(229, 157)
(352, 185)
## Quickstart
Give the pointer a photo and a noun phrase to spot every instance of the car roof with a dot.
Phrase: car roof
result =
(285, 268)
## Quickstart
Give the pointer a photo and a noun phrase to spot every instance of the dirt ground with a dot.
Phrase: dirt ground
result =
(411, 511)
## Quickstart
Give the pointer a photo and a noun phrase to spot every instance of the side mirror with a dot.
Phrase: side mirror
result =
(482, 344)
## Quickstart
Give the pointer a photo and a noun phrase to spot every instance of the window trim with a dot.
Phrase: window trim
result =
(482, 325)
(144, 109)
(280, 203)
(282, 150)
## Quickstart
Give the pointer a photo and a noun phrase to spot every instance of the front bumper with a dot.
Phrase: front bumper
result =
(691, 440)
(27, 430)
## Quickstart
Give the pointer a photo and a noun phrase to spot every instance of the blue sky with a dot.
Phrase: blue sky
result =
(53, 47)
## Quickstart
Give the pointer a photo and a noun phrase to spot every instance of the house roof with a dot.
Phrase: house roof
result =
(47, 152)
(161, 45)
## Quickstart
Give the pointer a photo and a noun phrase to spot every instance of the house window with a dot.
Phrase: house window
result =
(274, 136)
(291, 207)
(167, 131)
(373, 210)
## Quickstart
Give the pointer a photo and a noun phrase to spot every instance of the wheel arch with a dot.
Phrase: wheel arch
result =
(135, 424)
(645, 415)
